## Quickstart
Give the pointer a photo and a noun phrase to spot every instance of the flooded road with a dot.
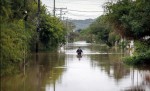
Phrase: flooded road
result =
(98, 69)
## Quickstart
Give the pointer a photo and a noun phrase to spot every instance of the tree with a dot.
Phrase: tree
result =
(18, 33)
(102, 29)
(52, 31)
(131, 19)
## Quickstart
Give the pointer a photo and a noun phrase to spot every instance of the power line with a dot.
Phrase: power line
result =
(83, 11)
(61, 12)
(60, 2)
(78, 10)
(78, 14)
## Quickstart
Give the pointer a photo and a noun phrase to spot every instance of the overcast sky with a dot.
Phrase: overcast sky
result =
(77, 9)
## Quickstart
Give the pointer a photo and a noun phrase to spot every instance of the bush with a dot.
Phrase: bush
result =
(13, 44)
(140, 59)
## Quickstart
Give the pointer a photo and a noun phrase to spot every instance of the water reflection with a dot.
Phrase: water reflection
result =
(79, 57)
(111, 64)
(98, 69)
(39, 72)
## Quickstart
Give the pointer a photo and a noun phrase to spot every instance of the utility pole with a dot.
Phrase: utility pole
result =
(54, 8)
(24, 51)
(38, 26)
(61, 12)
(67, 29)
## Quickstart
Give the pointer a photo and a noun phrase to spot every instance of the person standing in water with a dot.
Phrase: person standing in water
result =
(79, 51)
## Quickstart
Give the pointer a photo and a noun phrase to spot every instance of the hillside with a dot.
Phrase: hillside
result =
(81, 24)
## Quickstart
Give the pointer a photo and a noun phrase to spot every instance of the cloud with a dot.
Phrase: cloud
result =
(78, 5)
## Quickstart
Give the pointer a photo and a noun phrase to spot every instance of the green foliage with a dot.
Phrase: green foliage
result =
(123, 44)
(130, 18)
(102, 32)
(5, 8)
(52, 31)
(15, 35)
(72, 36)
(99, 29)
(85, 34)
(113, 37)
(19, 35)
(140, 59)
(141, 46)
(142, 54)
(14, 44)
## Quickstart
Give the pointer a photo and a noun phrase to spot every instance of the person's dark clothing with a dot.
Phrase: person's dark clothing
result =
(79, 51)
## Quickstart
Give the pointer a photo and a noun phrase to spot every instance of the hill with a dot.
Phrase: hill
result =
(82, 24)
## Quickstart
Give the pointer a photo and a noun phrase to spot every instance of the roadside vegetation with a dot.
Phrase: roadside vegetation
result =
(18, 32)
(124, 20)
(130, 19)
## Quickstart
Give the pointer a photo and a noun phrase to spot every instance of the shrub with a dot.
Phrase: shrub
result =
(140, 59)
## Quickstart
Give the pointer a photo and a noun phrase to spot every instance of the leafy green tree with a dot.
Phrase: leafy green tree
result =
(18, 32)
(102, 30)
(72, 36)
(85, 34)
(14, 41)
(13, 46)
(131, 19)
(114, 38)
(52, 31)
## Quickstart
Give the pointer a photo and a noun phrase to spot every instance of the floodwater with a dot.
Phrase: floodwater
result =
(98, 69)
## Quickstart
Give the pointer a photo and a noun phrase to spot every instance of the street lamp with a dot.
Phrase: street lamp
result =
(25, 15)
(25, 18)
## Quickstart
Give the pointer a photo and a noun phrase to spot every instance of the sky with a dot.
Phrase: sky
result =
(76, 9)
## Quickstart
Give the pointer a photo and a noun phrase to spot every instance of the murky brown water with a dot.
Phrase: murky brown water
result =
(99, 69)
